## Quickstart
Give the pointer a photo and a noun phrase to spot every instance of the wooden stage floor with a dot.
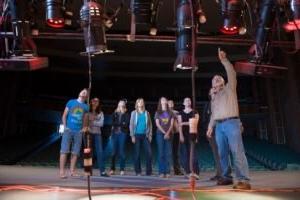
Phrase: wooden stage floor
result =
(34, 183)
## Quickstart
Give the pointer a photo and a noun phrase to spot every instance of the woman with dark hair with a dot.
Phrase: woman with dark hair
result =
(120, 131)
(164, 120)
(185, 137)
(93, 121)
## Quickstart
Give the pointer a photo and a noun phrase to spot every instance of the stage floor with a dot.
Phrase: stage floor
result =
(43, 183)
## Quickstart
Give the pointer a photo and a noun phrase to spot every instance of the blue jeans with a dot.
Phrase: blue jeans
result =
(71, 137)
(97, 144)
(164, 149)
(142, 141)
(229, 139)
(185, 150)
(118, 147)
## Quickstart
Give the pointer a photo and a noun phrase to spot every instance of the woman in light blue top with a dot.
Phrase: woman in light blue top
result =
(141, 136)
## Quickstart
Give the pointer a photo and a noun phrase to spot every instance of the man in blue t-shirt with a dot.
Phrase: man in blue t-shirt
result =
(73, 123)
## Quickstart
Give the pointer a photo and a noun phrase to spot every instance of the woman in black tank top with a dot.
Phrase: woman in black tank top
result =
(185, 139)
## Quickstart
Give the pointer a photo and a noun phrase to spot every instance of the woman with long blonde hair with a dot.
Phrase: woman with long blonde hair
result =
(120, 130)
(141, 136)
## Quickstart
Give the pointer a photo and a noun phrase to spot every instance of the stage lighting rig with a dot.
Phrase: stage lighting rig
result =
(199, 11)
(292, 13)
(55, 13)
(293, 23)
(144, 12)
(93, 24)
(260, 61)
(21, 55)
(185, 36)
(232, 14)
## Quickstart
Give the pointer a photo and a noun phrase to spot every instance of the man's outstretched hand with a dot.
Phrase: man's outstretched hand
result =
(221, 54)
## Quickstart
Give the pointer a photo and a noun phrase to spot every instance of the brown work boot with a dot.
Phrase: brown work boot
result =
(242, 186)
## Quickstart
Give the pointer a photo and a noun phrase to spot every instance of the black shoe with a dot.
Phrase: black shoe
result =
(242, 186)
(179, 173)
(215, 178)
(224, 182)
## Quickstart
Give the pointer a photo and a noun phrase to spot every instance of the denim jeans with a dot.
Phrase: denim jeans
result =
(71, 137)
(118, 148)
(213, 144)
(175, 153)
(98, 151)
(142, 141)
(185, 150)
(164, 149)
(229, 139)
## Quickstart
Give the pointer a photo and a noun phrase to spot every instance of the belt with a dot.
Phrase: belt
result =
(225, 119)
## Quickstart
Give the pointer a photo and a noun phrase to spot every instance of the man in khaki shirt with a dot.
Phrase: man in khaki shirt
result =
(225, 118)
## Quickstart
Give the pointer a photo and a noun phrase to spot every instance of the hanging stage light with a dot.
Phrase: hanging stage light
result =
(54, 13)
(200, 12)
(186, 37)
(92, 22)
(144, 12)
(23, 45)
(260, 63)
(294, 24)
(232, 17)
(22, 54)
(264, 30)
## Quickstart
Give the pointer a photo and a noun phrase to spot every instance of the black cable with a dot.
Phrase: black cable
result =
(89, 92)
(194, 68)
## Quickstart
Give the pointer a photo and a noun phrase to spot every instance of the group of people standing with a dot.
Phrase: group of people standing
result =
(173, 134)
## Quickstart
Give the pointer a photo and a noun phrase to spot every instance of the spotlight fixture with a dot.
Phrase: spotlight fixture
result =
(232, 17)
(186, 36)
(54, 13)
(200, 12)
(264, 30)
(294, 24)
(259, 63)
(144, 12)
(92, 22)
(22, 54)
(23, 45)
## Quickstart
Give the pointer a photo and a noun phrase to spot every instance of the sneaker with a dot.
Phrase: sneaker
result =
(138, 174)
(242, 186)
(161, 176)
(104, 174)
(111, 172)
(168, 176)
(122, 173)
